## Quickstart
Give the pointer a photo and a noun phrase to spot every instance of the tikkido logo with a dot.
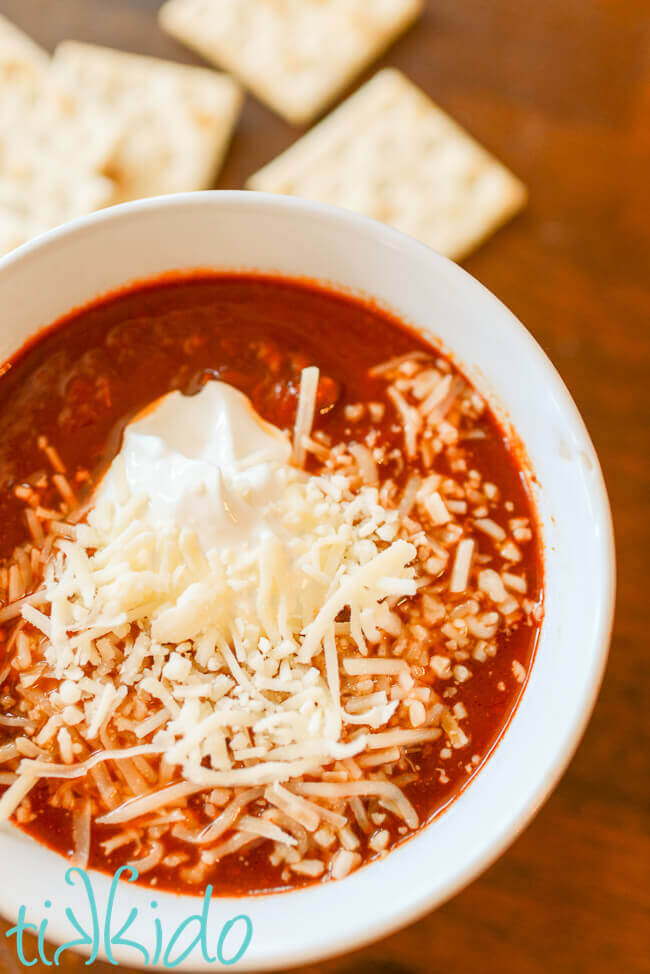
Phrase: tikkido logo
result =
(192, 934)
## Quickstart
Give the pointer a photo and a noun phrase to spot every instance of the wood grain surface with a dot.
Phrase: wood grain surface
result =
(560, 90)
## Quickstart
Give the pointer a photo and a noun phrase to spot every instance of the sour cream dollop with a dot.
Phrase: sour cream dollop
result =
(206, 462)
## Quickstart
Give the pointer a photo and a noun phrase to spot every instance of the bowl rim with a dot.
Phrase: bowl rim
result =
(369, 930)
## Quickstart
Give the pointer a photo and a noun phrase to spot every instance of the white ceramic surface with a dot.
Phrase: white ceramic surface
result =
(71, 265)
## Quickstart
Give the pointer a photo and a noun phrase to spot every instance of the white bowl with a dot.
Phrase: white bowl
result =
(72, 265)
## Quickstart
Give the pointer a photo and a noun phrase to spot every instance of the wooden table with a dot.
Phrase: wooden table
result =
(560, 90)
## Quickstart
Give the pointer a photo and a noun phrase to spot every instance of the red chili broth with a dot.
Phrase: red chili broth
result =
(81, 380)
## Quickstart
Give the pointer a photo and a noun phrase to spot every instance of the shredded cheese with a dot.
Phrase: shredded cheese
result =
(226, 650)
(305, 414)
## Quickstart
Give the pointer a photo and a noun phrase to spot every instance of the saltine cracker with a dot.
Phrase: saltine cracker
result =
(50, 155)
(295, 55)
(175, 121)
(390, 153)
